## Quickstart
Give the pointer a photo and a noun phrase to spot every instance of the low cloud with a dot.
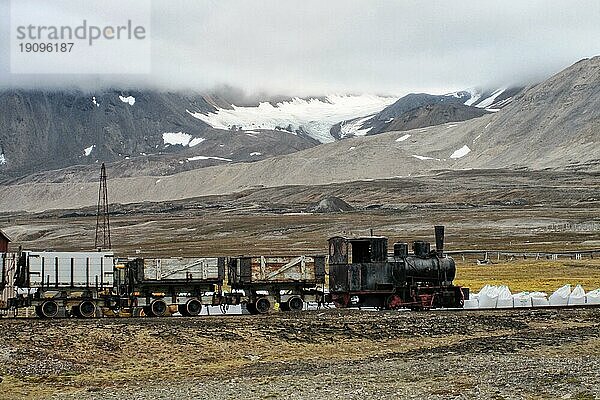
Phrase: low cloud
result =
(313, 47)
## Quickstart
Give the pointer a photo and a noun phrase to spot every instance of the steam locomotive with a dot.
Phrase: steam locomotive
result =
(361, 273)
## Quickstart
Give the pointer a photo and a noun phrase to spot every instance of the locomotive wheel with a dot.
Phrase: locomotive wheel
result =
(157, 308)
(251, 307)
(191, 308)
(48, 309)
(262, 305)
(85, 309)
(393, 302)
(295, 304)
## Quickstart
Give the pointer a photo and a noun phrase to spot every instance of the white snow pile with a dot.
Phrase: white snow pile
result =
(2, 159)
(129, 100)
(463, 151)
(421, 157)
(196, 158)
(403, 138)
(88, 150)
(313, 116)
(95, 102)
(485, 103)
(184, 139)
(491, 296)
(255, 153)
(475, 96)
(354, 127)
(195, 142)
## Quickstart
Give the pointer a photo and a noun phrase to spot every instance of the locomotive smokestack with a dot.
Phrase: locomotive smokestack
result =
(439, 240)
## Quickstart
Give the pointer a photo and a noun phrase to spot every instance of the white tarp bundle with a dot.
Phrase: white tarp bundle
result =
(471, 303)
(593, 297)
(561, 296)
(505, 299)
(539, 299)
(522, 299)
(577, 296)
(492, 296)
(488, 297)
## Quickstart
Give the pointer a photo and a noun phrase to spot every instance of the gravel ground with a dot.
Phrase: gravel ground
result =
(510, 354)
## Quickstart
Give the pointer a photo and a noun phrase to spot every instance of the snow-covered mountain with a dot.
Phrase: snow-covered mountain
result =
(420, 110)
(312, 116)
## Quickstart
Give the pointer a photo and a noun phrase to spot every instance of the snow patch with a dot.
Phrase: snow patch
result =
(196, 158)
(2, 159)
(184, 139)
(95, 102)
(403, 138)
(88, 150)
(475, 96)
(129, 99)
(490, 100)
(196, 141)
(422, 157)
(255, 153)
(463, 151)
(354, 127)
(313, 116)
(352, 148)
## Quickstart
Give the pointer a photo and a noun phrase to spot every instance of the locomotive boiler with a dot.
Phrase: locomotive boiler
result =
(363, 274)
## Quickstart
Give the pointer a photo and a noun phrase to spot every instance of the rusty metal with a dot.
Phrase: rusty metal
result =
(4, 241)
(270, 270)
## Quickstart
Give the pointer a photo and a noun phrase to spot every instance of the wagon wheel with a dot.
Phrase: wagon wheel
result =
(295, 303)
(48, 309)
(262, 305)
(85, 309)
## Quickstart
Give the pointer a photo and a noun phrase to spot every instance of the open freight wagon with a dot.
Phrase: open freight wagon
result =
(289, 281)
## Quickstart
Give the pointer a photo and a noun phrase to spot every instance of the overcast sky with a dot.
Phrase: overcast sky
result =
(348, 46)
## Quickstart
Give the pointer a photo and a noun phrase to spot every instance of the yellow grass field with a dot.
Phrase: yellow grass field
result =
(529, 275)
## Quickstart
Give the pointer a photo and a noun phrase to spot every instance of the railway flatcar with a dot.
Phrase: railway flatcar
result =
(289, 281)
(363, 274)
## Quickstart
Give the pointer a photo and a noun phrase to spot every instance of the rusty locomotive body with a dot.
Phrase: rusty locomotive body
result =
(362, 273)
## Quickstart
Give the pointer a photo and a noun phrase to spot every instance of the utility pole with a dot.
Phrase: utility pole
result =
(102, 217)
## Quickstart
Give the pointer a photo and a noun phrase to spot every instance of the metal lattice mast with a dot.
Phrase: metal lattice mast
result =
(102, 217)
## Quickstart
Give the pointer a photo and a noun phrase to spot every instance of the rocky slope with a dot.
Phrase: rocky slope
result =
(44, 130)
(420, 110)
